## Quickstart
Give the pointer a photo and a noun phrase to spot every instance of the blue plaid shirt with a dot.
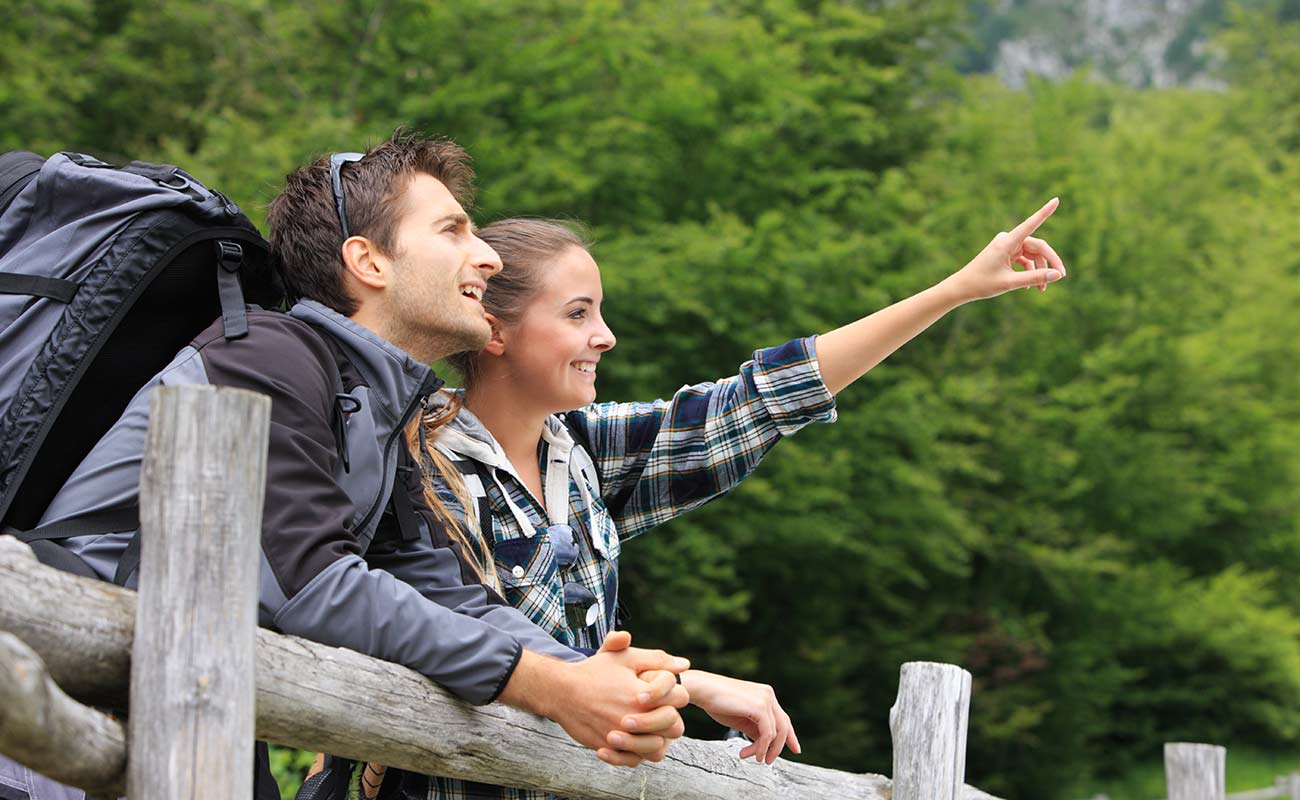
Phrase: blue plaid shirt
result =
(642, 465)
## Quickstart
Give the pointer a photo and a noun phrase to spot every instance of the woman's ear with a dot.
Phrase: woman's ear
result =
(497, 344)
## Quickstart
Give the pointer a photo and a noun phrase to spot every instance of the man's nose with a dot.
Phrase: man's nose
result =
(485, 258)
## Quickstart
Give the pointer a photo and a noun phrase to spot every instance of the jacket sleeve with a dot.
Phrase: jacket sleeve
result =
(661, 459)
(438, 572)
(315, 582)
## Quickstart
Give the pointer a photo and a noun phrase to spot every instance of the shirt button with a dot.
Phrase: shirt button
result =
(518, 571)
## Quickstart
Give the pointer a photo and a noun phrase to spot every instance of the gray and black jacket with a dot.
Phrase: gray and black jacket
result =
(335, 566)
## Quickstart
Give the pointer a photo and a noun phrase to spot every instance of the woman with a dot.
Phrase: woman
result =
(559, 490)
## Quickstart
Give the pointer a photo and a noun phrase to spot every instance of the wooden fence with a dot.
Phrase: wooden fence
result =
(201, 680)
(1197, 772)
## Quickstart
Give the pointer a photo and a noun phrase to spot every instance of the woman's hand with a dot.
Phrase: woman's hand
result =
(991, 273)
(850, 351)
(749, 707)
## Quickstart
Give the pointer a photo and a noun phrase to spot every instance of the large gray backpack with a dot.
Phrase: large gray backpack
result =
(105, 273)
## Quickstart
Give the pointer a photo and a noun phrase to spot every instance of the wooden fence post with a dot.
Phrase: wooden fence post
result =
(1195, 771)
(928, 722)
(192, 685)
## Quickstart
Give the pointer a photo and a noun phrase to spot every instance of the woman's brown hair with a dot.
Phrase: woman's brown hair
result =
(432, 462)
(524, 246)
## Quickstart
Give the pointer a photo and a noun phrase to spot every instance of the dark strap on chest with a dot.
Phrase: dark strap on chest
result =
(408, 525)
(480, 471)
(43, 540)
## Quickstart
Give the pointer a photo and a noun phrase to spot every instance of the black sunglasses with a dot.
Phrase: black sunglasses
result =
(336, 180)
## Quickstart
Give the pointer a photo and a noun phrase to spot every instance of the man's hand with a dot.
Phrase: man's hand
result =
(749, 707)
(991, 273)
(603, 703)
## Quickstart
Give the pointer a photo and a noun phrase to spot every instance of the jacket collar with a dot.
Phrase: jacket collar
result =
(394, 377)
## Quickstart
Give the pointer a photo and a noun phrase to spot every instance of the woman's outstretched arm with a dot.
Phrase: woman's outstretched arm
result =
(847, 353)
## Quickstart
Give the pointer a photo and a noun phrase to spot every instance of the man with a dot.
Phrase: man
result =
(389, 271)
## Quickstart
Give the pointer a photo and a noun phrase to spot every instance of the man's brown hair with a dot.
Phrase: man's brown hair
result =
(306, 239)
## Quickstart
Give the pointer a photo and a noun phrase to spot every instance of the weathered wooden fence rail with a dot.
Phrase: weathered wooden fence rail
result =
(76, 636)
(1197, 772)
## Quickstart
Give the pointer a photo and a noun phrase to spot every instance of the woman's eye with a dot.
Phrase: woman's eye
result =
(578, 313)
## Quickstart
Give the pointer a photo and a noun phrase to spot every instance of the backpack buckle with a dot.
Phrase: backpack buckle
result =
(231, 255)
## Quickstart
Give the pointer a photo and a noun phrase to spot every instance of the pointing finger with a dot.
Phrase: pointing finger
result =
(1026, 228)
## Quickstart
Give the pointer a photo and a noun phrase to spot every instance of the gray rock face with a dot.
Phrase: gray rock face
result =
(1156, 43)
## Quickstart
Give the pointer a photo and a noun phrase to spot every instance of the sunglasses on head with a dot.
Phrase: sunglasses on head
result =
(336, 180)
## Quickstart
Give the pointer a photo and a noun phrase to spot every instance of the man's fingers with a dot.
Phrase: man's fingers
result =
(662, 721)
(643, 745)
(1022, 231)
(618, 758)
(643, 660)
(618, 640)
(659, 684)
(677, 697)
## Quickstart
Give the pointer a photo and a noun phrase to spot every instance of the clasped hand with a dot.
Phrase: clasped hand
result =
(626, 702)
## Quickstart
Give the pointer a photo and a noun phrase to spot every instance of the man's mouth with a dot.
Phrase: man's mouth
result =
(472, 291)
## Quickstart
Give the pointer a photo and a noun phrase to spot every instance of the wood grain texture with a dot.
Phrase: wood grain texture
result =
(202, 482)
(928, 722)
(324, 698)
(46, 730)
(1195, 771)
(86, 651)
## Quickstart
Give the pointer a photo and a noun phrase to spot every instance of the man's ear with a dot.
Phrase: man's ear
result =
(363, 262)
(497, 344)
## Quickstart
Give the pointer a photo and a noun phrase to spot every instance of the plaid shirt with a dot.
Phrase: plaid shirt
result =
(642, 465)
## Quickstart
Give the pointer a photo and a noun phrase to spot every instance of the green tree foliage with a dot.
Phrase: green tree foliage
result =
(1089, 497)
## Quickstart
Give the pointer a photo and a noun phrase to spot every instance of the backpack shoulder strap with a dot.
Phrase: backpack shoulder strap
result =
(43, 540)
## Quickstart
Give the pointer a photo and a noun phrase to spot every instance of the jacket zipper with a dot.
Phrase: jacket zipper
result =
(431, 384)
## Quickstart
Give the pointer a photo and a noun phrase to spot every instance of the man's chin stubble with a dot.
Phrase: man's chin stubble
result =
(439, 346)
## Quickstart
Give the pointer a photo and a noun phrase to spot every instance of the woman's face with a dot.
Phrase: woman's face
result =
(553, 350)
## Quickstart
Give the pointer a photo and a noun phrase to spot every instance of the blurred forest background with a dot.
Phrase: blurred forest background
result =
(1089, 498)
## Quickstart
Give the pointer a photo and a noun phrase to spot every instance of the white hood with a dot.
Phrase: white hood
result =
(466, 437)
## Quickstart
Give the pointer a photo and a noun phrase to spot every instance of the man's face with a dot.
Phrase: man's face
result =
(440, 269)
